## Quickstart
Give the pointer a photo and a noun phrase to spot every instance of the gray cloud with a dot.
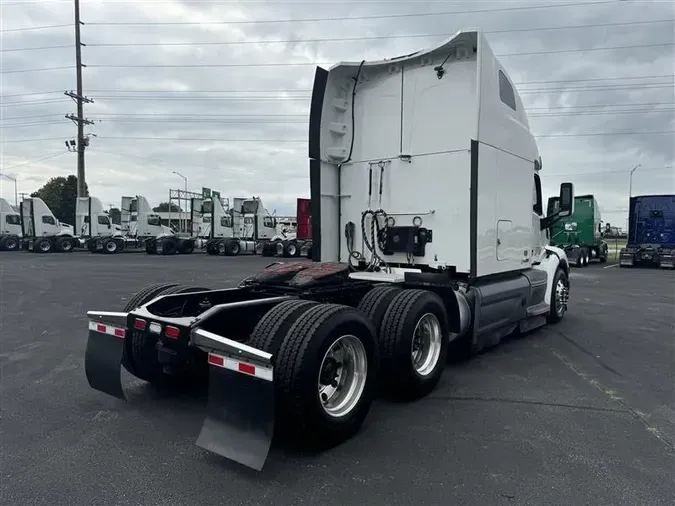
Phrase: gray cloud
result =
(183, 105)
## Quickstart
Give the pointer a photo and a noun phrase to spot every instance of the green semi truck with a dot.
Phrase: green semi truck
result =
(581, 234)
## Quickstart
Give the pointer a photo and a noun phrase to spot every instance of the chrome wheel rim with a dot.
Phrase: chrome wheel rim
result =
(292, 250)
(561, 296)
(45, 246)
(342, 376)
(426, 344)
(66, 246)
(10, 244)
(111, 246)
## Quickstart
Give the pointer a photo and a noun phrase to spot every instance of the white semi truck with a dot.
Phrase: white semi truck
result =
(41, 231)
(428, 228)
(10, 227)
(140, 228)
(252, 228)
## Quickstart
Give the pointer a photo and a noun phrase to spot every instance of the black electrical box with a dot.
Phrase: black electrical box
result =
(411, 240)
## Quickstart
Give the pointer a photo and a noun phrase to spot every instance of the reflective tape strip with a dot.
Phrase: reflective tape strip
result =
(107, 329)
(241, 367)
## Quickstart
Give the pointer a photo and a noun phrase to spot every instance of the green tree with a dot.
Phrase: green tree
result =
(60, 194)
(163, 207)
(115, 215)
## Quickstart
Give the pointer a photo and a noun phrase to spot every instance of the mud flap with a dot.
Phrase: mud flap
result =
(239, 424)
(103, 357)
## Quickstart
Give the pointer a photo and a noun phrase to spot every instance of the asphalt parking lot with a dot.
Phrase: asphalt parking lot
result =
(578, 413)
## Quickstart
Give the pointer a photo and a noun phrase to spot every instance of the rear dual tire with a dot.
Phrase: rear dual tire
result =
(326, 359)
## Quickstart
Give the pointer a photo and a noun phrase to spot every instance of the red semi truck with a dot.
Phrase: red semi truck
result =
(300, 243)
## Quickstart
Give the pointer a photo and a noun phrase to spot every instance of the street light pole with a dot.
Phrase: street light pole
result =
(185, 180)
(16, 193)
(630, 181)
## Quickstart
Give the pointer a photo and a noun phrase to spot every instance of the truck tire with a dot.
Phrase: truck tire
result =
(414, 357)
(109, 246)
(64, 244)
(272, 328)
(291, 249)
(169, 246)
(9, 243)
(146, 294)
(232, 248)
(375, 303)
(186, 246)
(142, 348)
(559, 290)
(43, 246)
(305, 410)
(212, 247)
(309, 252)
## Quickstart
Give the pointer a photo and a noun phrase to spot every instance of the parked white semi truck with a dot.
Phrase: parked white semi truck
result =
(428, 228)
(10, 227)
(253, 227)
(140, 229)
(41, 231)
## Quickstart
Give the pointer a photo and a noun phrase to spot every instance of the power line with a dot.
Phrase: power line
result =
(347, 18)
(307, 90)
(204, 139)
(303, 64)
(30, 162)
(42, 69)
(30, 28)
(335, 39)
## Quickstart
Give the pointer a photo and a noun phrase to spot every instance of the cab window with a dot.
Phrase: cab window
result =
(268, 222)
(153, 221)
(226, 221)
(103, 220)
(13, 219)
(49, 220)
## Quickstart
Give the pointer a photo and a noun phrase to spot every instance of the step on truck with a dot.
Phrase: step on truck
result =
(298, 243)
(580, 235)
(10, 227)
(651, 232)
(141, 229)
(41, 231)
(428, 228)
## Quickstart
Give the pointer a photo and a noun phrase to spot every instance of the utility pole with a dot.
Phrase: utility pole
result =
(80, 99)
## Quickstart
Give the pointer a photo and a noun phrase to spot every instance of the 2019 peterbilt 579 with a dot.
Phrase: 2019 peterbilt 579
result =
(428, 227)
(651, 232)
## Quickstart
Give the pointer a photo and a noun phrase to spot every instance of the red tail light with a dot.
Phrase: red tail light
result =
(140, 324)
(172, 332)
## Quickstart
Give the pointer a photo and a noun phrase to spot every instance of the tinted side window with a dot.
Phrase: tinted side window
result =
(153, 221)
(49, 220)
(103, 220)
(267, 222)
(506, 91)
(13, 219)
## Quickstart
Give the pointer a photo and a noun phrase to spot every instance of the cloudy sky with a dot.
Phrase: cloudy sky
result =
(179, 85)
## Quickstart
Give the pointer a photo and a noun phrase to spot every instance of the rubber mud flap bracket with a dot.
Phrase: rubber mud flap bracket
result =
(103, 358)
(239, 424)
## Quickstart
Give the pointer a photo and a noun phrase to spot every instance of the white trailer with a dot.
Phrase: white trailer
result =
(10, 227)
(429, 229)
(41, 231)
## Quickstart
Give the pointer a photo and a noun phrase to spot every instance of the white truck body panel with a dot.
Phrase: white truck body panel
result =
(39, 221)
(411, 122)
(10, 220)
